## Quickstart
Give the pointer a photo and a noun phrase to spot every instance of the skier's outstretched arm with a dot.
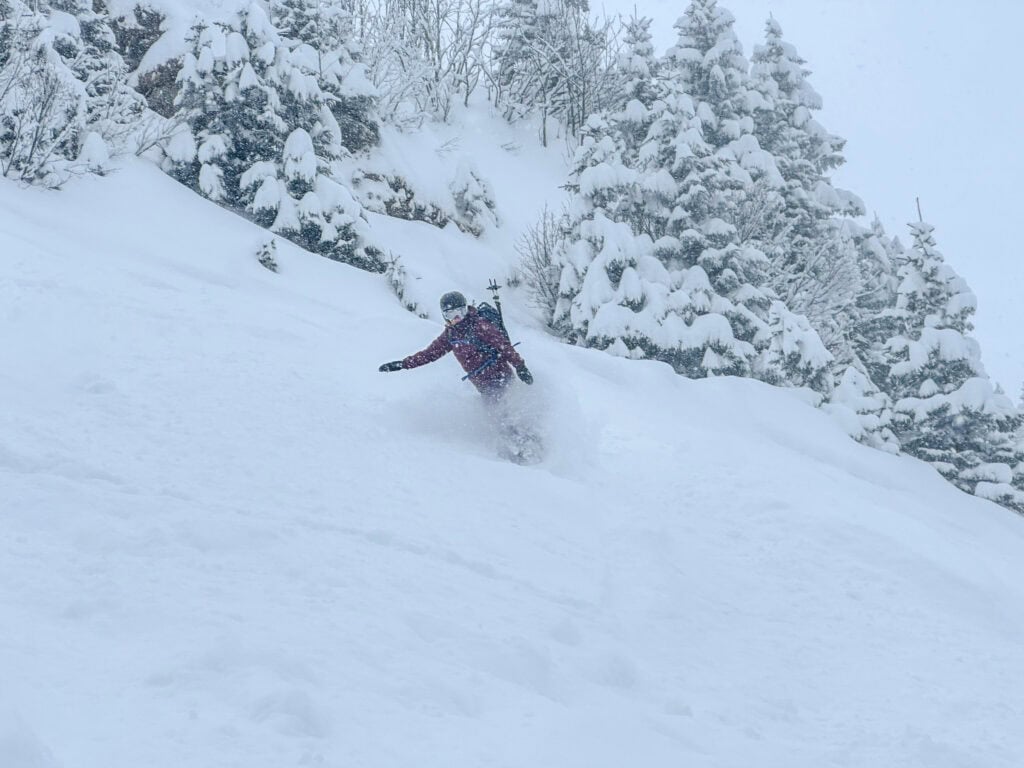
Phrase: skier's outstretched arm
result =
(438, 348)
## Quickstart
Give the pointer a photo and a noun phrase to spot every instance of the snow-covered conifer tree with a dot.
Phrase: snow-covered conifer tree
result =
(607, 259)
(813, 262)
(708, 62)
(785, 126)
(228, 108)
(876, 317)
(863, 410)
(796, 354)
(945, 408)
(324, 31)
(705, 139)
(700, 159)
(638, 66)
(262, 136)
(677, 283)
(862, 357)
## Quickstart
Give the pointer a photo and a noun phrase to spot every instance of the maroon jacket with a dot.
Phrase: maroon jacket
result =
(482, 350)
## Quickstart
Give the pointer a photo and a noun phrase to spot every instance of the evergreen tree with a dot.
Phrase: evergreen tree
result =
(638, 66)
(784, 124)
(863, 410)
(698, 188)
(262, 137)
(813, 262)
(701, 138)
(641, 88)
(323, 33)
(708, 63)
(946, 410)
(795, 355)
(230, 108)
(601, 239)
(875, 317)
(658, 269)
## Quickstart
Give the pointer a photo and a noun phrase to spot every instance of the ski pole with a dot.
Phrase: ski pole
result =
(493, 288)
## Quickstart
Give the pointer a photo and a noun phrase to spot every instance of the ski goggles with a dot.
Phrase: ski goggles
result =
(454, 315)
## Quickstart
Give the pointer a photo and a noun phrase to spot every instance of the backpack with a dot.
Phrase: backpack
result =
(493, 316)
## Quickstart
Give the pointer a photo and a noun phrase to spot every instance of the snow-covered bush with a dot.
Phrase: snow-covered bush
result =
(465, 201)
(266, 254)
(65, 107)
(392, 195)
(41, 114)
(474, 203)
(398, 279)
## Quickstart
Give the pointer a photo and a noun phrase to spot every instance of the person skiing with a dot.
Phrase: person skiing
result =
(482, 349)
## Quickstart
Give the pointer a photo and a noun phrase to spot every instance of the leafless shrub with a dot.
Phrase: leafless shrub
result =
(538, 248)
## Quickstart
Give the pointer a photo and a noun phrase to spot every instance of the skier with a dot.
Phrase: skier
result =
(482, 349)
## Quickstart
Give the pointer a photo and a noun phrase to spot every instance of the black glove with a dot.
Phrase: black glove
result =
(524, 374)
(397, 365)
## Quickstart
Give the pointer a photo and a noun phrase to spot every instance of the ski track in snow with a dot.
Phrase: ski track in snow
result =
(229, 541)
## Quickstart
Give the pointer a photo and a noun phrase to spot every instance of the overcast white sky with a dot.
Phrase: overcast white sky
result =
(929, 98)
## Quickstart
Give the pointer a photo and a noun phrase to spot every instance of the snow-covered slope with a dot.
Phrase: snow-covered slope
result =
(229, 541)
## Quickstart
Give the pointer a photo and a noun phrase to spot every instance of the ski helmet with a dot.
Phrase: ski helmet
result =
(452, 300)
